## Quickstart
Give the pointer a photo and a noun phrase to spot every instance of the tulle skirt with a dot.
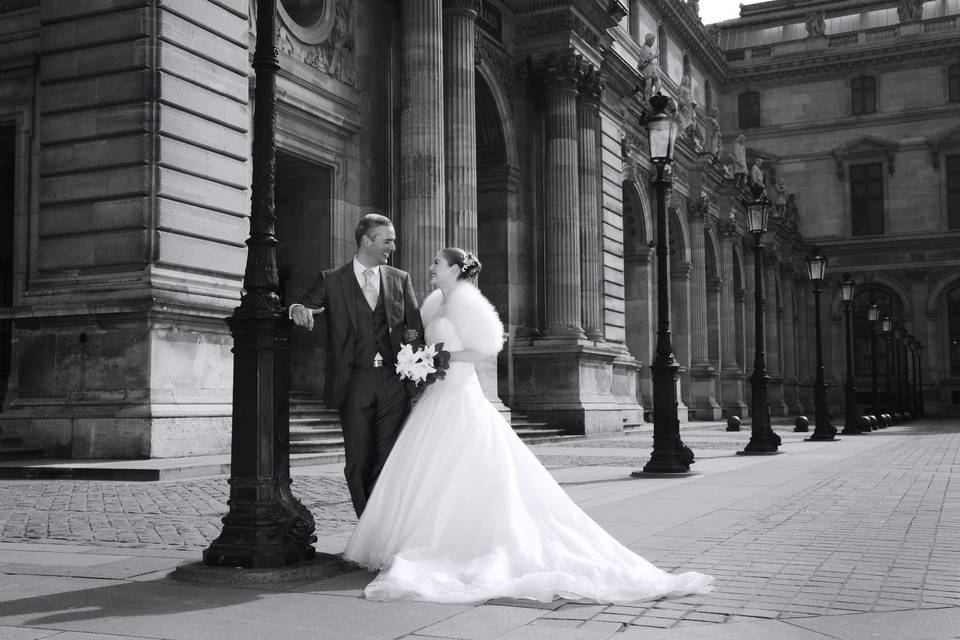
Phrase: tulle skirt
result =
(463, 512)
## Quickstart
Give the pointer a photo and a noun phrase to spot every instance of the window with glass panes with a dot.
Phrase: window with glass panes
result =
(866, 199)
(953, 191)
(748, 109)
(953, 82)
(863, 95)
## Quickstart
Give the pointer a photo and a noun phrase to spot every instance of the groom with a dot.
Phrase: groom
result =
(371, 309)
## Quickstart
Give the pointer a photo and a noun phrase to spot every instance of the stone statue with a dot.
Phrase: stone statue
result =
(780, 198)
(815, 24)
(686, 107)
(740, 159)
(714, 143)
(756, 173)
(909, 10)
(648, 66)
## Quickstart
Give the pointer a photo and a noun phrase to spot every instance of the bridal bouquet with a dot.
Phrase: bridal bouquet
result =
(423, 366)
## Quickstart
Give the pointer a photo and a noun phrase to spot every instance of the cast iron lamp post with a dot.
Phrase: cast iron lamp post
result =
(886, 324)
(816, 266)
(850, 393)
(266, 525)
(873, 314)
(763, 440)
(668, 451)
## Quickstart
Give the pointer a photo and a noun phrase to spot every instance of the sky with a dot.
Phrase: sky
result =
(719, 10)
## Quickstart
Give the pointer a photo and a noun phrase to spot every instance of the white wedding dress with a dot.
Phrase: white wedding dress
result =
(463, 512)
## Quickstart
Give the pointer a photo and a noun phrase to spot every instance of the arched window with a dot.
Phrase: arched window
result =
(953, 83)
(863, 95)
(953, 313)
(748, 109)
(889, 305)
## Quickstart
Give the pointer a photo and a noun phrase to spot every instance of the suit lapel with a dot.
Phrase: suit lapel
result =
(387, 290)
(347, 279)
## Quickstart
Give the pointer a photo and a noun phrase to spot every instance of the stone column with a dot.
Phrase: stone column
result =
(422, 201)
(702, 375)
(791, 383)
(680, 325)
(460, 125)
(731, 373)
(774, 320)
(635, 26)
(591, 270)
(562, 199)
(640, 313)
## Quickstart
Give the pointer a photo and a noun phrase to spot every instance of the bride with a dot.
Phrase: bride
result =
(463, 512)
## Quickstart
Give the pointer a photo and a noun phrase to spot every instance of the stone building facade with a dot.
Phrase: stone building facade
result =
(511, 128)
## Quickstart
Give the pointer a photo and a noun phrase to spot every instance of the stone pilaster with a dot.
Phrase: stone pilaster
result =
(422, 182)
(561, 77)
(635, 25)
(680, 273)
(702, 375)
(591, 271)
(460, 122)
(640, 312)
(731, 372)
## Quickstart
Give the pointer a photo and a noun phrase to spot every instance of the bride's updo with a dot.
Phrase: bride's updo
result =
(468, 263)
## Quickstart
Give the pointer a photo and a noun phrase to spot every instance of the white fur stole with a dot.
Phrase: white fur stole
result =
(474, 318)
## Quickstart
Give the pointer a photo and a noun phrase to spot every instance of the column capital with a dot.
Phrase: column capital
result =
(728, 228)
(560, 71)
(698, 208)
(591, 85)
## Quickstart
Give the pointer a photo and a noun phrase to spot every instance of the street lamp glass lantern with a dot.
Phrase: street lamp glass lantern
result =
(757, 212)
(873, 312)
(816, 265)
(846, 289)
(661, 130)
(886, 324)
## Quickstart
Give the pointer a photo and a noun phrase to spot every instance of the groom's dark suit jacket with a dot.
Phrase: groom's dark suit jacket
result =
(336, 291)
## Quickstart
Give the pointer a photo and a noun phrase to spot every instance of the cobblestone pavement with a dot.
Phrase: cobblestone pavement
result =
(882, 533)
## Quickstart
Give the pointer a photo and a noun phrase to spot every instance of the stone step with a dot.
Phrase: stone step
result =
(13, 452)
(310, 421)
(316, 445)
(298, 434)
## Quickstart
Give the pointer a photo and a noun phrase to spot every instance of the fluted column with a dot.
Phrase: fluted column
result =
(591, 271)
(561, 75)
(635, 25)
(422, 199)
(774, 339)
(789, 342)
(460, 125)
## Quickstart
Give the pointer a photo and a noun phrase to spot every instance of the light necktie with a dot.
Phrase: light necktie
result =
(368, 291)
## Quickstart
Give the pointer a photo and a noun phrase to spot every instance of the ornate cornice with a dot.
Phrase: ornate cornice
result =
(563, 20)
(831, 62)
(465, 5)
(694, 36)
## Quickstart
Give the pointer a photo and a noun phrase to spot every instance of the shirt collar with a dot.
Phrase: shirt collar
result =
(358, 269)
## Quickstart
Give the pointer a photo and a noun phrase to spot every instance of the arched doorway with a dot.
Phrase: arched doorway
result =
(639, 295)
(499, 230)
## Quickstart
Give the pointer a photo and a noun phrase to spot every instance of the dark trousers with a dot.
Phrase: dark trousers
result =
(371, 416)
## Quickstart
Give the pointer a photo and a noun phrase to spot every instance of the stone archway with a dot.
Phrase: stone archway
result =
(639, 293)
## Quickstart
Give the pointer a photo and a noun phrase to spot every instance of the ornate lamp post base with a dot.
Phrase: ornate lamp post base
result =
(669, 454)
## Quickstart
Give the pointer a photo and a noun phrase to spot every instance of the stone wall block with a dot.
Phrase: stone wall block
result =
(204, 40)
(94, 250)
(90, 155)
(188, 127)
(189, 158)
(95, 29)
(185, 251)
(200, 191)
(59, 11)
(73, 95)
(232, 25)
(91, 123)
(180, 217)
(203, 72)
(204, 103)
(124, 181)
(94, 216)
(95, 61)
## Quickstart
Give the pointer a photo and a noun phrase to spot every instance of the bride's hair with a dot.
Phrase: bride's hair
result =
(468, 263)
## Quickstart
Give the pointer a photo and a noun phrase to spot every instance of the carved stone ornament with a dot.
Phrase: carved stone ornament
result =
(559, 21)
(466, 5)
(322, 34)
(504, 66)
(909, 10)
(617, 10)
(698, 208)
(591, 83)
(559, 70)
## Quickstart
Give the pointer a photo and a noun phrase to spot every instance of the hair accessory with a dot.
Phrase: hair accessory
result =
(468, 261)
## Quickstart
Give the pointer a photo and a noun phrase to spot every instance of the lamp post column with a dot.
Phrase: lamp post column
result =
(763, 440)
(872, 315)
(889, 402)
(266, 526)
(907, 379)
(898, 373)
(851, 414)
(921, 411)
(816, 265)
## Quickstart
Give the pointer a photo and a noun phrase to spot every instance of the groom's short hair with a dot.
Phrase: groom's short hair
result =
(370, 222)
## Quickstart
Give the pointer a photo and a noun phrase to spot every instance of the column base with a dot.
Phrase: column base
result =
(580, 386)
(703, 391)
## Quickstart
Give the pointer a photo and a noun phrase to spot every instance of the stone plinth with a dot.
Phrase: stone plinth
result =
(578, 386)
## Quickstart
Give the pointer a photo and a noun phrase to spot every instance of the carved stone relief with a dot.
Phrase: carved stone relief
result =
(321, 33)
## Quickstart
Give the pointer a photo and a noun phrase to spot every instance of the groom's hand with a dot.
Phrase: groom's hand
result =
(410, 335)
(302, 317)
